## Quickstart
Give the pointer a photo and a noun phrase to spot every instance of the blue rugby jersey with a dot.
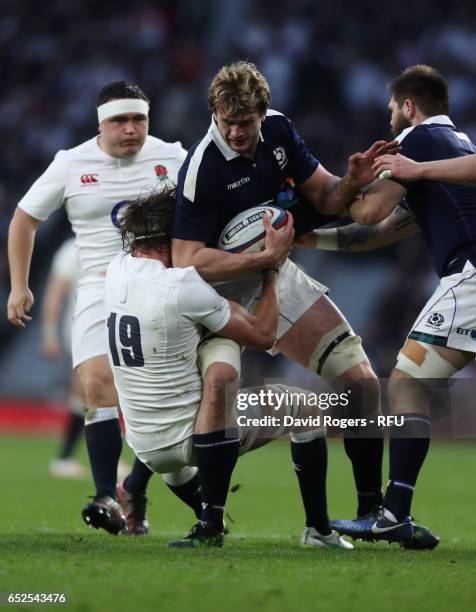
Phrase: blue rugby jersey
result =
(445, 212)
(215, 183)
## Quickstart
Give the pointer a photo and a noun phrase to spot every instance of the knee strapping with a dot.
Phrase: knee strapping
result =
(423, 361)
(337, 352)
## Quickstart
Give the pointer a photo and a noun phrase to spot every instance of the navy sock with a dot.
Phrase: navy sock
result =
(310, 465)
(216, 453)
(137, 481)
(104, 443)
(189, 493)
(408, 448)
(366, 455)
(71, 435)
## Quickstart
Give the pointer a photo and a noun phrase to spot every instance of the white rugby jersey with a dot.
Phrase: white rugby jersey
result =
(155, 316)
(94, 187)
(65, 265)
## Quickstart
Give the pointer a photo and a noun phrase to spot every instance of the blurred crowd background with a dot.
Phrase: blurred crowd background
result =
(328, 63)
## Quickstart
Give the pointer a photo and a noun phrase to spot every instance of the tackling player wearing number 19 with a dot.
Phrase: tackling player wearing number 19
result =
(94, 181)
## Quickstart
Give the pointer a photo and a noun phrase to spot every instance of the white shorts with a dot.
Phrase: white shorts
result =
(297, 293)
(449, 316)
(177, 456)
(88, 337)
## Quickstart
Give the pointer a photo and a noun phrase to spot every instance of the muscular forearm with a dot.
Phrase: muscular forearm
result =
(21, 238)
(216, 265)
(337, 195)
(354, 237)
(457, 170)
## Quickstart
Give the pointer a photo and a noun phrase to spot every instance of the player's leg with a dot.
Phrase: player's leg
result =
(285, 407)
(177, 465)
(323, 341)
(104, 443)
(215, 445)
(439, 345)
(65, 466)
(410, 391)
(419, 365)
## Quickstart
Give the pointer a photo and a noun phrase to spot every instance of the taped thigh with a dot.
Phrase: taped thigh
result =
(217, 349)
(336, 352)
(421, 360)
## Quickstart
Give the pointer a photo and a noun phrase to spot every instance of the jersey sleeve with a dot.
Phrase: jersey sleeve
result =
(197, 205)
(200, 303)
(47, 193)
(302, 162)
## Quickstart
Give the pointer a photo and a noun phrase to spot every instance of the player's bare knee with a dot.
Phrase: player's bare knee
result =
(219, 378)
(97, 391)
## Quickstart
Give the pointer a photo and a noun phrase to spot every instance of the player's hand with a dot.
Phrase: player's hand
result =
(18, 305)
(278, 243)
(360, 170)
(51, 349)
(400, 166)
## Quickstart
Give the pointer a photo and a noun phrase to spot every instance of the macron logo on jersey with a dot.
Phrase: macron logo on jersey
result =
(239, 183)
(89, 179)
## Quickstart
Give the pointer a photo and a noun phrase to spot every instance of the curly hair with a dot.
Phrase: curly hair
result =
(239, 88)
(148, 221)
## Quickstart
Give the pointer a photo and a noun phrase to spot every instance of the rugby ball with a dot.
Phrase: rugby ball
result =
(245, 233)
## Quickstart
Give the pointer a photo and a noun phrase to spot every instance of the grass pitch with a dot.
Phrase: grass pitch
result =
(45, 547)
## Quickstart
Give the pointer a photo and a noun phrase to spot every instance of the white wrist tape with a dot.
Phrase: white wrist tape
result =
(326, 239)
(122, 106)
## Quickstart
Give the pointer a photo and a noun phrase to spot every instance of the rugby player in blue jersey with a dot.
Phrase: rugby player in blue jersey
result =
(443, 339)
(253, 155)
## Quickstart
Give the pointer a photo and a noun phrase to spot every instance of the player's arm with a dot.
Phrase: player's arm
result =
(354, 237)
(332, 195)
(215, 265)
(54, 297)
(378, 201)
(456, 170)
(44, 196)
(258, 330)
(21, 238)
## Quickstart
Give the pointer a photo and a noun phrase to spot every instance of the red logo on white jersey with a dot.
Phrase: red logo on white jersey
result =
(89, 179)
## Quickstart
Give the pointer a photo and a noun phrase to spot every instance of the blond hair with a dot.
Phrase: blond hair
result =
(239, 88)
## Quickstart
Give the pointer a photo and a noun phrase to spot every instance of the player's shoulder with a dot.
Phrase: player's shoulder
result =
(115, 264)
(436, 126)
(86, 151)
(204, 165)
(163, 147)
(277, 128)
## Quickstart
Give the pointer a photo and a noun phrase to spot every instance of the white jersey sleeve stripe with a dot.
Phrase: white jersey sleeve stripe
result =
(190, 183)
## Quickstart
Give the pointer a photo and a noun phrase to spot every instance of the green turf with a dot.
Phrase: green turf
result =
(44, 546)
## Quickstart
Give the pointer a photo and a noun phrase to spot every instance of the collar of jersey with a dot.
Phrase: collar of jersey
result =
(439, 119)
(220, 142)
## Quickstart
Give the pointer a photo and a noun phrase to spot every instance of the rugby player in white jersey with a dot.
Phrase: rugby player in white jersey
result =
(56, 319)
(156, 315)
(94, 181)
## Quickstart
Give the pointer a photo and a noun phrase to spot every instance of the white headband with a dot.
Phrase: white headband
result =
(119, 107)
